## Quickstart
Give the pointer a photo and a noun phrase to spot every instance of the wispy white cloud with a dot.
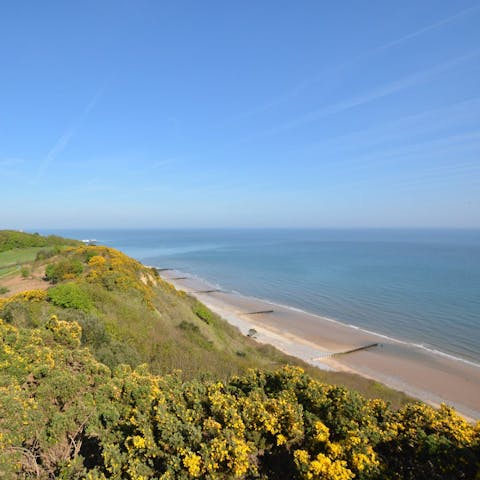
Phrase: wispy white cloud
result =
(385, 90)
(427, 28)
(445, 147)
(438, 158)
(64, 140)
(441, 161)
(422, 123)
(309, 82)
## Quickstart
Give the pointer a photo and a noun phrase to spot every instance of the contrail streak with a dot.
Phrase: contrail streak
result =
(64, 140)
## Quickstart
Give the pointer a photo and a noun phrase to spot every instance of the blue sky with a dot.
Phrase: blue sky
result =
(237, 114)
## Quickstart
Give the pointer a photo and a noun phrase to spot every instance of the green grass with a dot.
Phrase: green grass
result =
(12, 260)
(18, 256)
(8, 270)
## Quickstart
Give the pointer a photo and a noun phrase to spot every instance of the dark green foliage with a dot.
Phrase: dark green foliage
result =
(45, 254)
(89, 254)
(70, 295)
(25, 272)
(202, 312)
(63, 270)
(3, 290)
(432, 447)
(10, 239)
(188, 326)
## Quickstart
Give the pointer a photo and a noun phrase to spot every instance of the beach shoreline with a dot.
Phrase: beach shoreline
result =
(320, 341)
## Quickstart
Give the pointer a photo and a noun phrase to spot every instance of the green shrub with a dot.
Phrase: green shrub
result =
(25, 272)
(63, 270)
(202, 312)
(44, 254)
(70, 295)
(188, 326)
(3, 290)
(10, 239)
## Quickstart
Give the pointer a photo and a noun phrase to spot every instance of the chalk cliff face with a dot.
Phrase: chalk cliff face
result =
(90, 385)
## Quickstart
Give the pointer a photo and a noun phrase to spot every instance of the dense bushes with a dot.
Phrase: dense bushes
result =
(66, 415)
(70, 295)
(63, 270)
(45, 254)
(48, 390)
(10, 239)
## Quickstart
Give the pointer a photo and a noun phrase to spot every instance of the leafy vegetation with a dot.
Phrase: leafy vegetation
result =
(25, 272)
(44, 254)
(18, 249)
(63, 270)
(90, 387)
(70, 295)
(202, 312)
(66, 415)
(11, 239)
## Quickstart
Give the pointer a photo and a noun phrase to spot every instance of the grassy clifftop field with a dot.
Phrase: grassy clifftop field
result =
(106, 371)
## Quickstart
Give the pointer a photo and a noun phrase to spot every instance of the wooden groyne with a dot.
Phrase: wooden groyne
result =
(345, 352)
(358, 349)
(215, 290)
(258, 312)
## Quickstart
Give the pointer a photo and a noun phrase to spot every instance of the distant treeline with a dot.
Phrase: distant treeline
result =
(10, 239)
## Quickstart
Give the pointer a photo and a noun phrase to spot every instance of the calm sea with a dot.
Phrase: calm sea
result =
(420, 286)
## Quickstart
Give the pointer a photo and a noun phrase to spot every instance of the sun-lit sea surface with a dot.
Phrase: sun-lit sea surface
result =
(420, 286)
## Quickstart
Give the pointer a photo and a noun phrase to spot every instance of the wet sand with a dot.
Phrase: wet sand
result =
(431, 377)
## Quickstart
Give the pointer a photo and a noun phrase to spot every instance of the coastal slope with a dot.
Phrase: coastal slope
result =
(90, 386)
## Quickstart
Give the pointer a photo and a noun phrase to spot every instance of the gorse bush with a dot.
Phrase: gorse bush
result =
(48, 389)
(66, 415)
(30, 296)
(76, 401)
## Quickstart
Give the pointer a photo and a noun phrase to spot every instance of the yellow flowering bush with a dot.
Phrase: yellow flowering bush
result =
(49, 389)
(115, 270)
(64, 414)
(29, 296)
(261, 425)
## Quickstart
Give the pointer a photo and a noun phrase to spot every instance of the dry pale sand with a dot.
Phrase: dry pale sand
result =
(434, 378)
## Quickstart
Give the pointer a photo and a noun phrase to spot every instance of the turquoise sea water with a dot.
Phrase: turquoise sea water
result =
(419, 286)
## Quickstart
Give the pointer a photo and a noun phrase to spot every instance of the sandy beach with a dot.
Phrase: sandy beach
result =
(431, 377)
